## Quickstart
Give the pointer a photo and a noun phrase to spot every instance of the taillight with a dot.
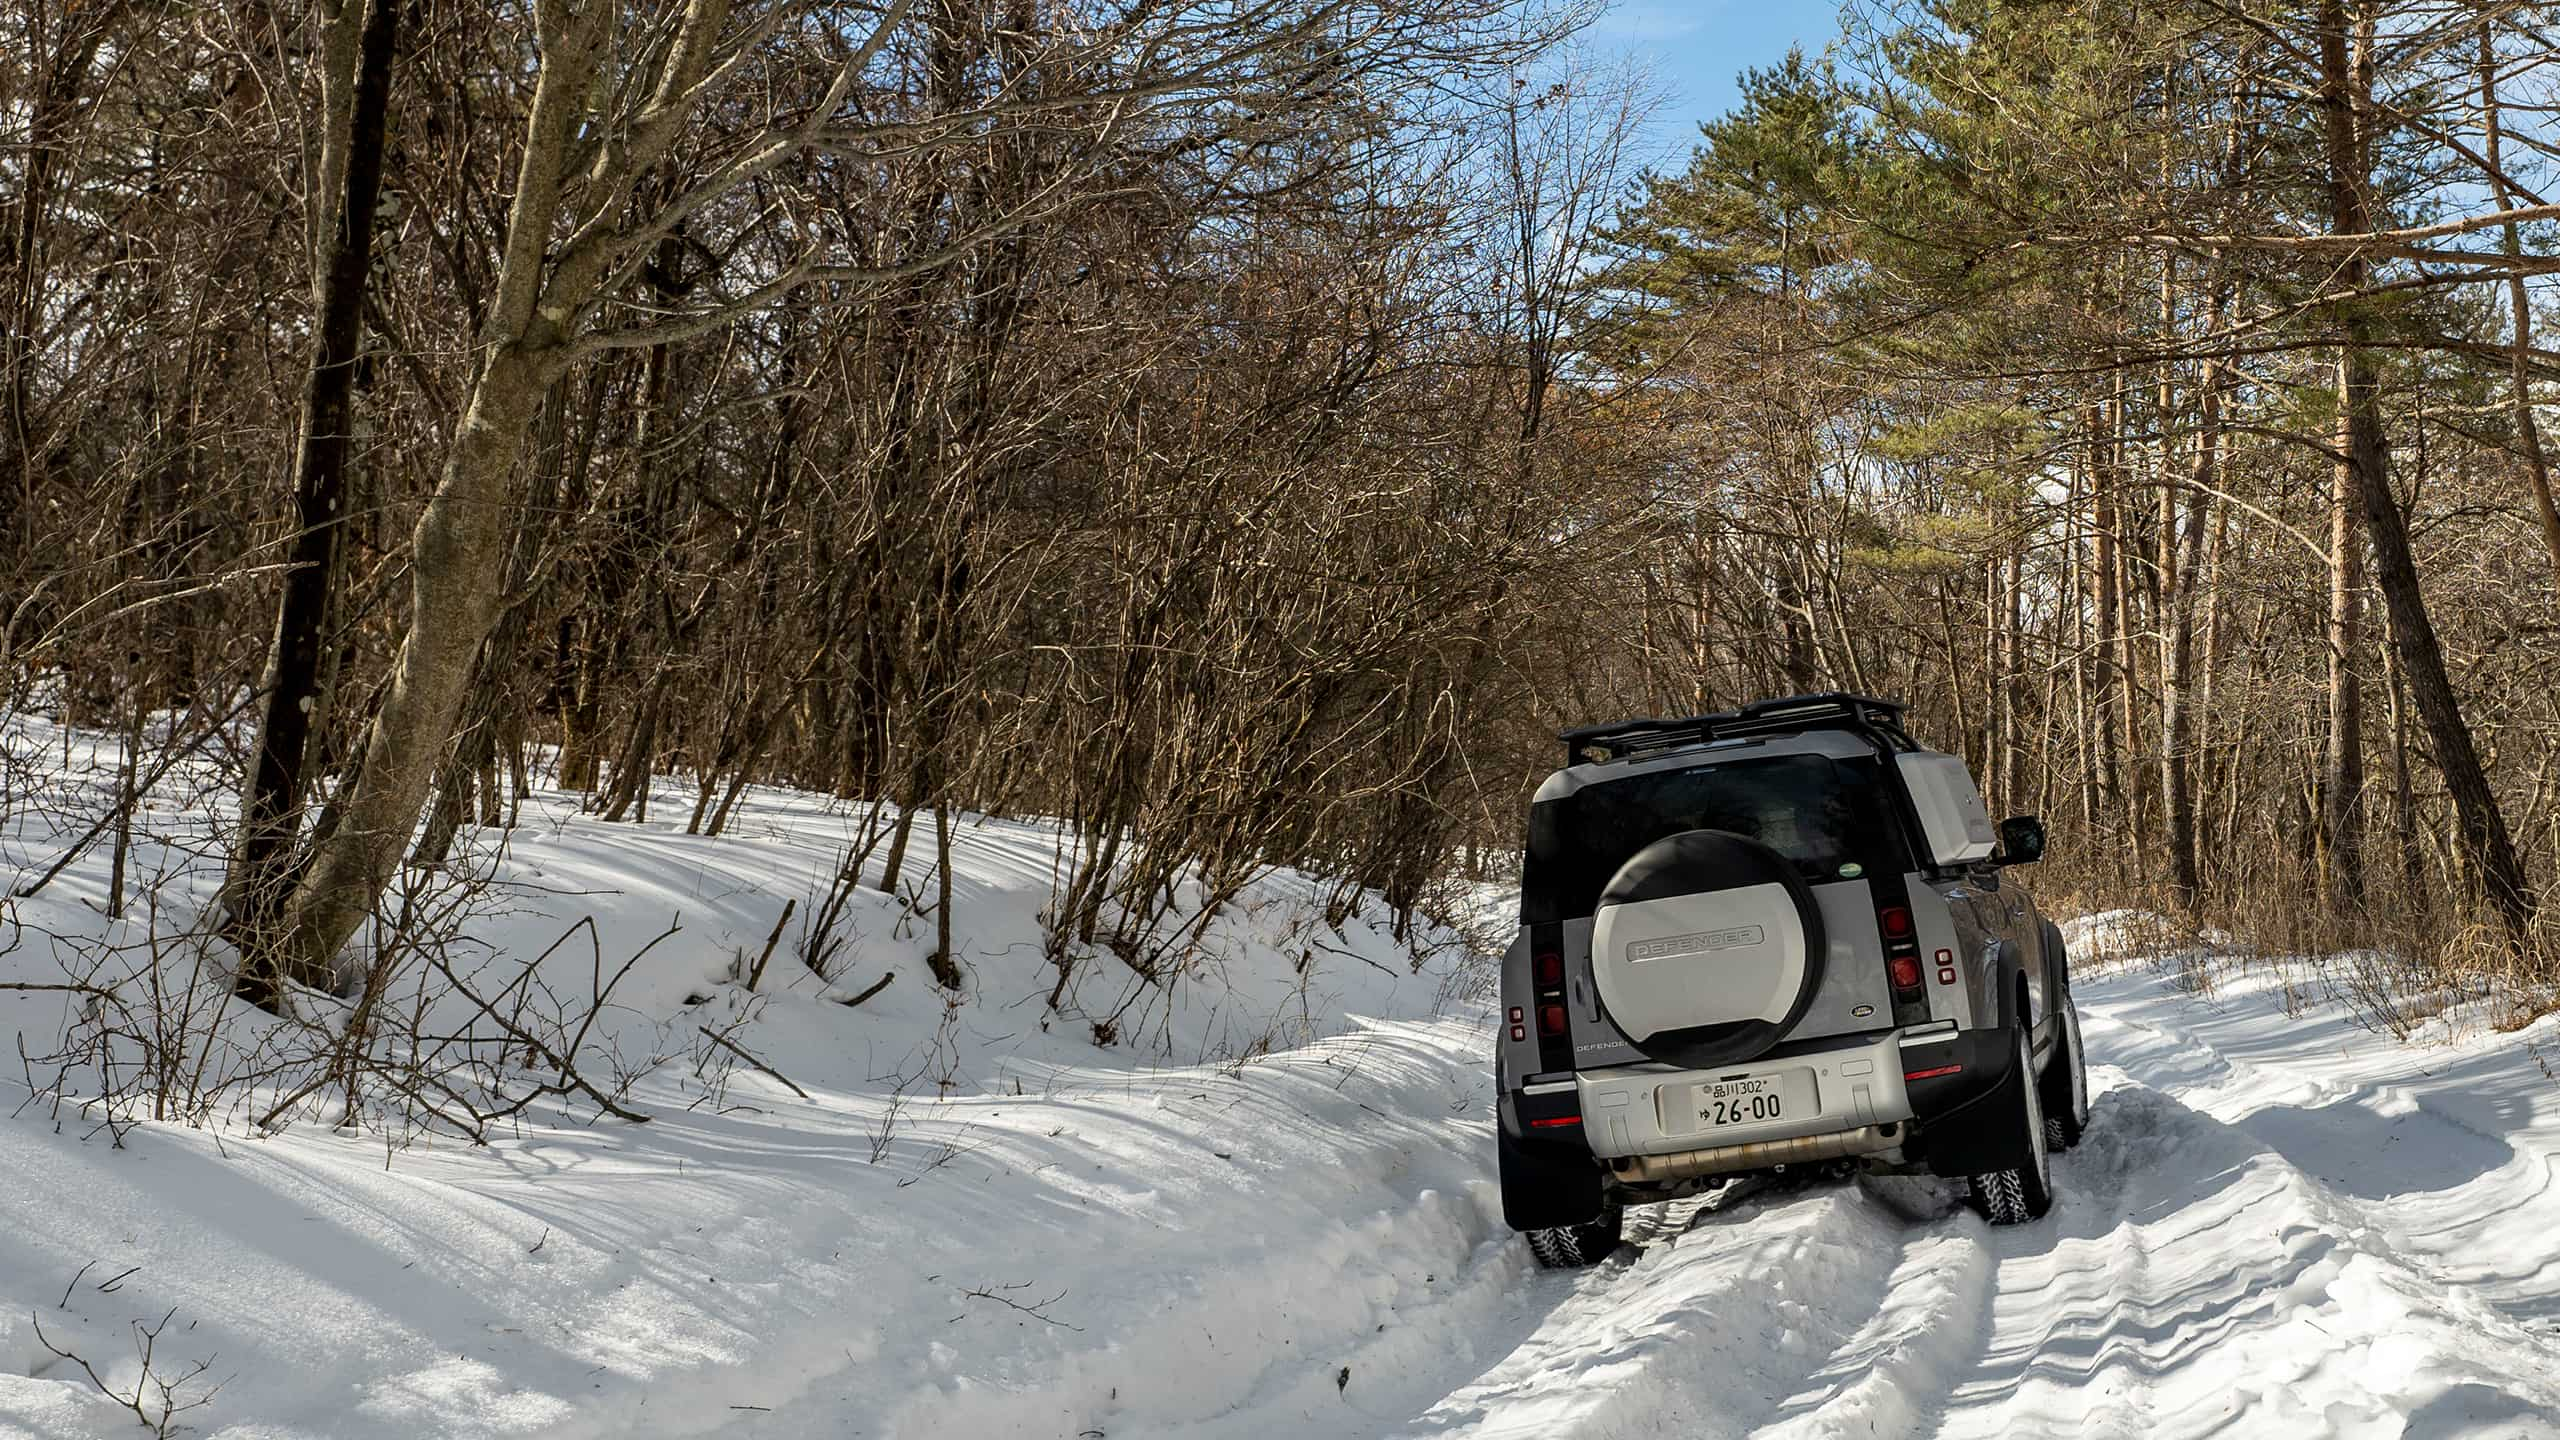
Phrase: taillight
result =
(1902, 966)
(1547, 997)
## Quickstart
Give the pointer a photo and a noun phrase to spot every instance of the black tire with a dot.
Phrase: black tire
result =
(2023, 1192)
(1571, 1247)
(2064, 1086)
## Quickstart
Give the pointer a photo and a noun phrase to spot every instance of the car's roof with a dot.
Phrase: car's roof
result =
(1837, 744)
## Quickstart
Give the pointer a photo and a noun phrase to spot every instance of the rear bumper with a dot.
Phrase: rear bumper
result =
(1654, 1110)
(1931, 1092)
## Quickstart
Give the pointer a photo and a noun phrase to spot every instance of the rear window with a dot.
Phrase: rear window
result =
(1828, 816)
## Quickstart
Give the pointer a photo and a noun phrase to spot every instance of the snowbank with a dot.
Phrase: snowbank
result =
(2117, 935)
(918, 1218)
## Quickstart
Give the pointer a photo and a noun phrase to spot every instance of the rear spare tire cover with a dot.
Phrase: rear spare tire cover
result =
(1706, 948)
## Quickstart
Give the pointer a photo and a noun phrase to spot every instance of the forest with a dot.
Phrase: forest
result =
(1245, 433)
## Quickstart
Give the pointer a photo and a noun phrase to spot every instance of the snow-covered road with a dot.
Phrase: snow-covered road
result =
(2280, 1225)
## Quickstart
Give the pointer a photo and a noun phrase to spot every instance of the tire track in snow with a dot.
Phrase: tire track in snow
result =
(1939, 1340)
(1709, 1333)
(2471, 1201)
(1888, 1377)
(2080, 1323)
(2194, 1281)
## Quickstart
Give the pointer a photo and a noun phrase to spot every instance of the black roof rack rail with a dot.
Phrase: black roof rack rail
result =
(1879, 721)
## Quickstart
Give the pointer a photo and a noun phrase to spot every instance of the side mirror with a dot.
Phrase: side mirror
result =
(2021, 841)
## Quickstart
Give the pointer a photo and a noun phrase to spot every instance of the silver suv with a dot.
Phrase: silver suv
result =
(1781, 938)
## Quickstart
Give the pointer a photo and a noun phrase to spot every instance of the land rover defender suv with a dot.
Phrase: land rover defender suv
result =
(1784, 937)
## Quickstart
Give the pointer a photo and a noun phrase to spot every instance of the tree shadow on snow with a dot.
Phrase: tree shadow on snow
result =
(2377, 1156)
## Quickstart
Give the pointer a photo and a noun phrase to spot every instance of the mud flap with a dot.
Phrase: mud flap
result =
(1545, 1186)
(1965, 1117)
(1965, 1092)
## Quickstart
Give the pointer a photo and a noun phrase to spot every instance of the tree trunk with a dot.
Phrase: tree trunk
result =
(2359, 462)
(2204, 774)
(944, 964)
(2012, 680)
(458, 553)
(356, 84)
(2520, 312)
(454, 598)
(2177, 667)
(631, 773)
(2083, 727)
(2102, 666)
(2486, 845)
(2128, 649)
(2193, 570)
(44, 120)
(2404, 793)
(2346, 90)
(2341, 821)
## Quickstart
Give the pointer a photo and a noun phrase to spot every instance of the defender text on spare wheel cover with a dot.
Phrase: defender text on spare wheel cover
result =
(1779, 938)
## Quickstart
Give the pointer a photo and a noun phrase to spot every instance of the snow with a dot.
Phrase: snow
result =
(977, 1211)
(1266, 1210)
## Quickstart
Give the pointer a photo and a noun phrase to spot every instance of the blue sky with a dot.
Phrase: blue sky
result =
(1697, 47)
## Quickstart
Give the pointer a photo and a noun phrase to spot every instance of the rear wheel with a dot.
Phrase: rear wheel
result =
(1570, 1247)
(2023, 1192)
(2065, 1083)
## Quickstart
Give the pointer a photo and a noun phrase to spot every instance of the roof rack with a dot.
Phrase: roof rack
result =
(1879, 721)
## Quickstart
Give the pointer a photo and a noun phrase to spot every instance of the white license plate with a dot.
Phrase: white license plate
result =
(1755, 1100)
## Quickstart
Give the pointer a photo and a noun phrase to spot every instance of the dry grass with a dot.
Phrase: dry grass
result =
(2401, 957)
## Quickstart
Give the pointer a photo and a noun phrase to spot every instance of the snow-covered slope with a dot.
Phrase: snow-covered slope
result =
(1266, 971)
(1142, 1253)
(972, 1213)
